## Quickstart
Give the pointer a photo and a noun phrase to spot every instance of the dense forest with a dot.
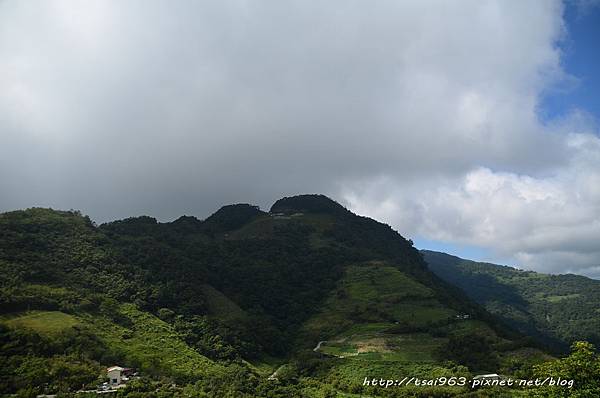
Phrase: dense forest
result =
(556, 309)
(306, 300)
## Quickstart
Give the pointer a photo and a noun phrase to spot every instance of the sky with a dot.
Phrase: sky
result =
(470, 127)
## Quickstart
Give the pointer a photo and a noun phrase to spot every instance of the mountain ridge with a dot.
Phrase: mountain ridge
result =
(242, 291)
(558, 309)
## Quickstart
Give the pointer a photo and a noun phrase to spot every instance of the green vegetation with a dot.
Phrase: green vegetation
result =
(415, 347)
(43, 322)
(377, 312)
(582, 367)
(556, 309)
(149, 344)
(373, 295)
(213, 308)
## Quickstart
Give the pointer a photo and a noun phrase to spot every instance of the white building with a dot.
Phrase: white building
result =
(118, 375)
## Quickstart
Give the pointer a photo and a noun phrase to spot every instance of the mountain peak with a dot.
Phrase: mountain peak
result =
(230, 217)
(187, 224)
(309, 203)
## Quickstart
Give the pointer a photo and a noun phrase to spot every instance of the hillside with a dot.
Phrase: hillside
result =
(309, 293)
(557, 309)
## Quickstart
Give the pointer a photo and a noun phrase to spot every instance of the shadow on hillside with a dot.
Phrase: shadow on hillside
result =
(507, 302)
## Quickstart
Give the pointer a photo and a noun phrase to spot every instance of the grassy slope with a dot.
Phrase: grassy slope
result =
(373, 297)
(142, 340)
(381, 323)
(377, 312)
(356, 322)
(42, 322)
(151, 343)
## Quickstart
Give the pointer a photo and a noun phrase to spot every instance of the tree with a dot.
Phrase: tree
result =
(582, 366)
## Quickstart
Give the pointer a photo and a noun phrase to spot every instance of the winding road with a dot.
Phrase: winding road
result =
(319, 345)
(274, 375)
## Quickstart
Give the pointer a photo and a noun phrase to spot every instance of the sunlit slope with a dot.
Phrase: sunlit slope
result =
(378, 312)
(126, 336)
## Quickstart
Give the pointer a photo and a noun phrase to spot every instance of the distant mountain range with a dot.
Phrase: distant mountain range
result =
(556, 309)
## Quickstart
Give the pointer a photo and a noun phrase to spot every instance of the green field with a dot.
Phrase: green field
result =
(557, 299)
(43, 322)
(417, 347)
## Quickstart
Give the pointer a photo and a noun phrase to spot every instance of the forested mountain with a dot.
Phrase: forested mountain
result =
(557, 309)
(305, 300)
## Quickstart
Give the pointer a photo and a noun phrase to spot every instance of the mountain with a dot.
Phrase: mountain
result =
(305, 300)
(557, 309)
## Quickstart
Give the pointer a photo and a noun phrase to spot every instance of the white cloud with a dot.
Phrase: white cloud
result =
(421, 112)
(549, 223)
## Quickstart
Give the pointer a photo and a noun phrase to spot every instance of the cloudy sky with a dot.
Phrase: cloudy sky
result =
(468, 126)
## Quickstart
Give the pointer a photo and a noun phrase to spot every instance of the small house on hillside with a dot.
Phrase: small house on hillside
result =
(118, 375)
